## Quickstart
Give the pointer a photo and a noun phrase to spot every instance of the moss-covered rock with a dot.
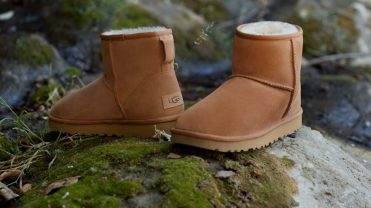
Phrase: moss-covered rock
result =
(120, 172)
(82, 16)
(91, 191)
(326, 31)
(263, 179)
(96, 162)
(187, 183)
(26, 49)
(131, 16)
(25, 58)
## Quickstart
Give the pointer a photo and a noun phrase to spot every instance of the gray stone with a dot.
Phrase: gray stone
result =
(326, 175)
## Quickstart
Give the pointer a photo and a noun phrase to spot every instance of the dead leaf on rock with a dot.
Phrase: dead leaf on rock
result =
(10, 175)
(60, 184)
(173, 156)
(225, 174)
(6, 193)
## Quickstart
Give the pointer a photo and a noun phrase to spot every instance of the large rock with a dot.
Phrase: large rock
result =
(74, 27)
(338, 103)
(326, 175)
(117, 172)
(194, 25)
(335, 27)
(25, 58)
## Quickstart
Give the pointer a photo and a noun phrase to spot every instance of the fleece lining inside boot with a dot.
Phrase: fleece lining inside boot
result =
(134, 30)
(269, 28)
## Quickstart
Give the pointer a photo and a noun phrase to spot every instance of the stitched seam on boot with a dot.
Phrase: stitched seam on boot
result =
(107, 85)
(293, 57)
(267, 83)
(114, 81)
(139, 85)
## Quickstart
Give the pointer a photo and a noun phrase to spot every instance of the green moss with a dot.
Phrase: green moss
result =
(87, 14)
(42, 94)
(211, 10)
(91, 191)
(81, 14)
(31, 50)
(7, 148)
(187, 183)
(326, 31)
(96, 161)
(73, 72)
(287, 162)
(338, 79)
(99, 158)
(263, 180)
(111, 170)
(130, 16)
(26, 49)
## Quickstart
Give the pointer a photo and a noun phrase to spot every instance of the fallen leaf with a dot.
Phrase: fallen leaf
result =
(26, 187)
(173, 156)
(6, 193)
(10, 175)
(60, 184)
(225, 174)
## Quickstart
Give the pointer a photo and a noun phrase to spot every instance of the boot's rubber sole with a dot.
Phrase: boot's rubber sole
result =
(136, 130)
(280, 131)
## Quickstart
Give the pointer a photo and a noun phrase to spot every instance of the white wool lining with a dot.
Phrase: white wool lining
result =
(269, 28)
(127, 31)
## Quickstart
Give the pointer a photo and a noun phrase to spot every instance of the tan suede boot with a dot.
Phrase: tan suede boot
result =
(139, 88)
(260, 103)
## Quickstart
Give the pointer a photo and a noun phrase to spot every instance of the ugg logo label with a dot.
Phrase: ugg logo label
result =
(172, 100)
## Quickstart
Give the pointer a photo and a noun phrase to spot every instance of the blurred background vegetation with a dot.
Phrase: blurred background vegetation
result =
(47, 45)
(50, 47)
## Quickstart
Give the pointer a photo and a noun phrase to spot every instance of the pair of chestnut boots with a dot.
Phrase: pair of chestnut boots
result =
(260, 103)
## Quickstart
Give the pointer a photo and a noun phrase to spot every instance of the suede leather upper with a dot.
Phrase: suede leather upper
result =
(262, 93)
(138, 74)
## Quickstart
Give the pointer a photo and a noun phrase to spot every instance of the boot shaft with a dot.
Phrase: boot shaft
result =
(136, 54)
(272, 58)
(139, 70)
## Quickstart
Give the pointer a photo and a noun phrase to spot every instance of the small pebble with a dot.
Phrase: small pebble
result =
(310, 165)
(173, 156)
(225, 174)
